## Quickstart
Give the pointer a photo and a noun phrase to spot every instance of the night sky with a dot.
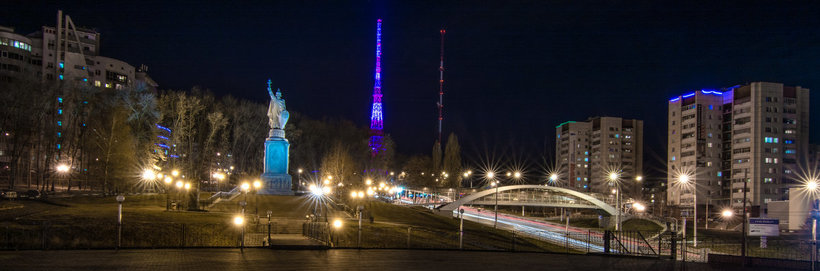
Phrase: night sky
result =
(514, 70)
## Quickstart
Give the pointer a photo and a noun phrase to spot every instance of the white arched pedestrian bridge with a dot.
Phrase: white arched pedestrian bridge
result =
(533, 195)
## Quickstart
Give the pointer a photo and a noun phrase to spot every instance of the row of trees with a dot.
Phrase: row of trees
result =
(437, 170)
(106, 138)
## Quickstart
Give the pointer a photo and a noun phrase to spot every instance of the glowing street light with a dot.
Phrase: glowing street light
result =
(62, 168)
(257, 184)
(490, 175)
(187, 186)
(727, 213)
(337, 223)
(239, 221)
(175, 173)
(553, 177)
(613, 178)
(638, 207)
(639, 178)
(368, 182)
(684, 180)
(149, 174)
(517, 175)
(245, 186)
(811, 185)
(180, 184)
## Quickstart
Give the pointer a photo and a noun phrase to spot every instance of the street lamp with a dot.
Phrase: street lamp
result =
(811, 187)
(337, 225)
(239, 221)
(148, 175)
(613, 178)
(256, 186)
(168, 180)
(495, 222)
(244, 187)
(684, 179)
(726, 214)
(120, 199)
(554, 178)
(461, 229)
(300, 179)
(175, 173)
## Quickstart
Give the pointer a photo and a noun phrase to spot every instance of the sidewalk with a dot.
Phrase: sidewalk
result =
(334, 259)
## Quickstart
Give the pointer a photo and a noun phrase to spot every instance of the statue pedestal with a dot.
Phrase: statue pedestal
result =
(276, 180)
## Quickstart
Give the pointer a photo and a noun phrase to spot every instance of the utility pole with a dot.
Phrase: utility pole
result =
(743, 243)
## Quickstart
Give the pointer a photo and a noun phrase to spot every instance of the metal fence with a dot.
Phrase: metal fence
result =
(61, 235)
(778, 248)
(651, 244)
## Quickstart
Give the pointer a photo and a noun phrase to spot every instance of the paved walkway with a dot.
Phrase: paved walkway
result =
(338, 259)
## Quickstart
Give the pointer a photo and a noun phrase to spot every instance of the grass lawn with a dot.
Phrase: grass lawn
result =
(643, 225)
(429, 230)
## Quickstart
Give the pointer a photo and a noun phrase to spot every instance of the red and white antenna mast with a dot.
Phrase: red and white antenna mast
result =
(441, 87)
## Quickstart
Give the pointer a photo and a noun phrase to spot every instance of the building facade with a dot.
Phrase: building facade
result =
(587, 152)
(756, 133)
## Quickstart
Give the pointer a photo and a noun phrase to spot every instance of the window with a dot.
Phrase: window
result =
(709, 144)
(768, 180)
(790, 151)
(771, 139)
(97, 83)
(789, 131)
(788, 141)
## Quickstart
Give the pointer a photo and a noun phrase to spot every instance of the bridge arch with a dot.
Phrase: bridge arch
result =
(593, 203)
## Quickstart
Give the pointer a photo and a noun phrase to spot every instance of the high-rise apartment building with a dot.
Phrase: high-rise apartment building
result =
(755, 132)
(587, 152)
(66, 54)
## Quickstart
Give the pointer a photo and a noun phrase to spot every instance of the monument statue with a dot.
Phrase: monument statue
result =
(276, 179)
(277, 114)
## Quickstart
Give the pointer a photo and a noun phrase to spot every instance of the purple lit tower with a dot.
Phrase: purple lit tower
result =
(376, 121)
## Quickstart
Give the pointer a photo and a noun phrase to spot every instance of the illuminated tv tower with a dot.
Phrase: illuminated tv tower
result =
(376, 120)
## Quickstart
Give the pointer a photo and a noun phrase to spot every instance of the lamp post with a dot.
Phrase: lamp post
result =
(300, 178)
(491, 176)
(120, 199)
(613, 177)
(256, 186)
(269, 218)
(461, 229)
(337, 224)
(240, 221)
(811, 188)
(684, 179)
(180, 185)
(168, 180)
(359, 242)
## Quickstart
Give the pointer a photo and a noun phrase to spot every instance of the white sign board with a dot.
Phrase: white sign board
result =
(764, 227)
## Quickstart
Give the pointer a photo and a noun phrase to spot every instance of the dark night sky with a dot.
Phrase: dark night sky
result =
(514, 70)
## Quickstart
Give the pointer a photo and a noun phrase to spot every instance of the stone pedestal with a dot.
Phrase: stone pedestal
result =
(276, 180)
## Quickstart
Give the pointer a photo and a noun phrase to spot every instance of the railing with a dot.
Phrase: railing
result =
(79, 235)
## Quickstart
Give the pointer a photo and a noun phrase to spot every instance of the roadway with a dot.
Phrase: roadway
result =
(334, 259)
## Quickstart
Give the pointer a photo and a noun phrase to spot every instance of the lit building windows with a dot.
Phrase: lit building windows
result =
(97, 83)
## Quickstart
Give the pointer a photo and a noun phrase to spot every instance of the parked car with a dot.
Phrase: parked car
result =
(33, 194)
(8, 194)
